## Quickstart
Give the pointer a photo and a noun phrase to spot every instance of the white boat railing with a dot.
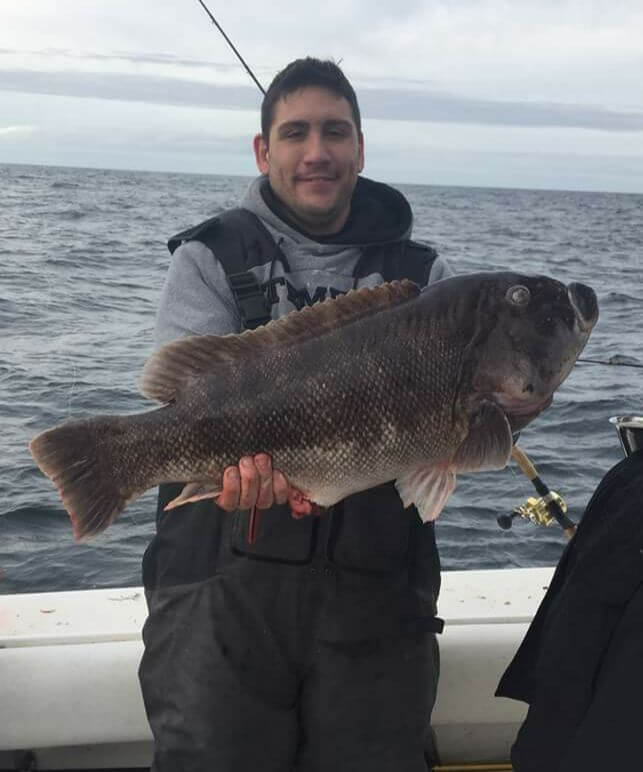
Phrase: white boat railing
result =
(69, 661)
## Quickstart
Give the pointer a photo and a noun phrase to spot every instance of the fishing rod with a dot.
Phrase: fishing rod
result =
(232, 46)
(550, 507)
(261, 88)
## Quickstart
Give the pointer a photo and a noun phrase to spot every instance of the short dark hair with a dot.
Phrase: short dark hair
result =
(300, 74)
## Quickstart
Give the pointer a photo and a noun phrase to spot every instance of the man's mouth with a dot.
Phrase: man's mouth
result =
(316, 178)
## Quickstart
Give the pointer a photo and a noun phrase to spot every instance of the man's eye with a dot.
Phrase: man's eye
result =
(294, 134)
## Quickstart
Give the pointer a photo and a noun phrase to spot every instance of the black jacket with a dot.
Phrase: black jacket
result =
(580, 666)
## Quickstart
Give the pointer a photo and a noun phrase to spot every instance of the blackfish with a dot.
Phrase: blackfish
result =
(380, 384)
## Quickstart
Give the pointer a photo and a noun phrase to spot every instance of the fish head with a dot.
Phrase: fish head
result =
(528, 333)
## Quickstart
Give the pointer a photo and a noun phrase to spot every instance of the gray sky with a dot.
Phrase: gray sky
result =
(531, 93)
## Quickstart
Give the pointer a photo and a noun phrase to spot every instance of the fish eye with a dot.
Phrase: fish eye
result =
(518, 295)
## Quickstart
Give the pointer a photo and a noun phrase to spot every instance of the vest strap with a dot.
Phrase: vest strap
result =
(239, 241)
(250, 300)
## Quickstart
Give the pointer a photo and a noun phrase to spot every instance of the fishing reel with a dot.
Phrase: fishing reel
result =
(536, 510)
(550, 506)
(547, 509)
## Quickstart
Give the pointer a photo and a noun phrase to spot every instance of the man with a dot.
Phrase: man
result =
(276, 643)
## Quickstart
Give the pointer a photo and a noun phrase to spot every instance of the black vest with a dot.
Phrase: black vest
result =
(369, 533)
(240, 241)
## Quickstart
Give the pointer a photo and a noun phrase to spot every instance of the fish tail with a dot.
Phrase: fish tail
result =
(76, 458)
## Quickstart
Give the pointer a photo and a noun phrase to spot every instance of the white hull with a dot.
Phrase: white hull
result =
(68, 671)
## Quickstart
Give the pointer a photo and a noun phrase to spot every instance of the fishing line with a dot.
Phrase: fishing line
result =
(610, 363)
(231, 44)
(260, 87)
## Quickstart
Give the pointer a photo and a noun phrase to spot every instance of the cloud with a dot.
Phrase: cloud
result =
(156, 89)
(376, 103)
(123, 56)
(13, 131)
(442, 107)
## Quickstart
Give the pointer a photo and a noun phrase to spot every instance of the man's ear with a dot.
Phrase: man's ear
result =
(360, 164)
(262, 157)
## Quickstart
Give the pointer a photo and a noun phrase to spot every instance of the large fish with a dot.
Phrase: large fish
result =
(380, 384)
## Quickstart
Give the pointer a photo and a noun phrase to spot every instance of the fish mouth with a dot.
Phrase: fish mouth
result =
(520, 412)
(583, 300)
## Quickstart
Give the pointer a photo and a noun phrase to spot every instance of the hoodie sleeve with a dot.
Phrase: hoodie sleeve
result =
(196, 298)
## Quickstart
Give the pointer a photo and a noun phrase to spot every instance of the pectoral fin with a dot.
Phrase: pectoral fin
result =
(428, 487)
(195, 491)
(488, 444)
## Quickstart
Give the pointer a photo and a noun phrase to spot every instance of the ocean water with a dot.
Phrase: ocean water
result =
(82, 261)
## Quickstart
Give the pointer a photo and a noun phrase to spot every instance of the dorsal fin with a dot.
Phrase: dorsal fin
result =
(167, 373)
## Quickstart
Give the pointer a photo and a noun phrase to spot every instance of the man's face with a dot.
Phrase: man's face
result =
(313, 156)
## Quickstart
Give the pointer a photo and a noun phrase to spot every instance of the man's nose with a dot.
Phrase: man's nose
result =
(316, 148)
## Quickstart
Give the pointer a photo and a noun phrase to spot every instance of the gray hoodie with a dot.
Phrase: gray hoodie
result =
(196, 298)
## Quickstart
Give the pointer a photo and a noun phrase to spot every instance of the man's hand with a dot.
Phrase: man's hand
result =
(254, 483)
